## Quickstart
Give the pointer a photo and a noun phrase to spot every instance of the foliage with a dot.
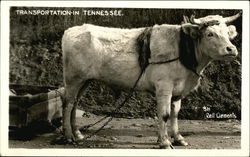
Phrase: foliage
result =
(36, 59)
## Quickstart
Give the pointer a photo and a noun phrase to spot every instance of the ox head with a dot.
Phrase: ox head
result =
(213, 35)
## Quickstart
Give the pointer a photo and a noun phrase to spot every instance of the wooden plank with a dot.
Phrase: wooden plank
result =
(20, 89)
(46, 96)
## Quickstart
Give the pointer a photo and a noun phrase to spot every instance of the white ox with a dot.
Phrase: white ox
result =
(111, 55)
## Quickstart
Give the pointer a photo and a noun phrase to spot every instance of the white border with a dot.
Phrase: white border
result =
(244, 151)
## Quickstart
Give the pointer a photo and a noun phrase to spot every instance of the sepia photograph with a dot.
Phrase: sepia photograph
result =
(124, 78)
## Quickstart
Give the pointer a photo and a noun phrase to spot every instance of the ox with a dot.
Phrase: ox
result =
(117, 57)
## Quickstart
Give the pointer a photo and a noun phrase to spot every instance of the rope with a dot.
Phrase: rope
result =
(121, 105)
(163, 62)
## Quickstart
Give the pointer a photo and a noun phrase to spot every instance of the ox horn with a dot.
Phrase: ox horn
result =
(191, 20)
(194, 21)
(203, 24)
(232, 18)
(185, 19)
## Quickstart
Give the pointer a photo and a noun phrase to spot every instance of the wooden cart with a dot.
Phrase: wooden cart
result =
(28, 104)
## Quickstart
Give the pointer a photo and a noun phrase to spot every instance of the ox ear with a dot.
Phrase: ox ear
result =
(232, 32)
(191, 30)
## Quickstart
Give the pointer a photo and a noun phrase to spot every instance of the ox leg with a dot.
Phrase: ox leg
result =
(175, 108)
(163, 111)
(77, 134)
(67, 108)
(71, 91)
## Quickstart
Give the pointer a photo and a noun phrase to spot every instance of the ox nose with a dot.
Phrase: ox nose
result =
(231, 51)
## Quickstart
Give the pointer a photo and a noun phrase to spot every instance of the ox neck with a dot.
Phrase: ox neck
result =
(202, 60)
(187, 52)
(191, 55)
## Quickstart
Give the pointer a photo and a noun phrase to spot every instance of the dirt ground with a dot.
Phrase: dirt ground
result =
(140, 134)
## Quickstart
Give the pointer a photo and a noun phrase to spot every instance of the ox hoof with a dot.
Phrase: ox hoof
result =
(78, 135)
(166, 147)
(180, 143)
(62, 140)
(69, 140)
(69, 137)
(165, 144)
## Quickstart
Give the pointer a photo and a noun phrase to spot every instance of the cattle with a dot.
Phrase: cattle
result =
(118, 56)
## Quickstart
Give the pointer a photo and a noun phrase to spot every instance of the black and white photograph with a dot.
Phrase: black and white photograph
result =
(153, 78)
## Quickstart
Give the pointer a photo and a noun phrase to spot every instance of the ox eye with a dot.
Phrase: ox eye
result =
(210, 34)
